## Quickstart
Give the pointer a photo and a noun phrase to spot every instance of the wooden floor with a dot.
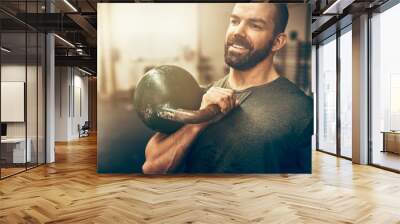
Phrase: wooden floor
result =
(5, 172)
(387, 159)
(8, 171)
(70, 191)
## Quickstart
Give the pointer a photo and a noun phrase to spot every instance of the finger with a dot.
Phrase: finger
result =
(230, 96)
(224, 104)
(228, 91)
(204, 101)
(212, 96)
(220, 90)
(222, 101)
(233, 101)
(216, 97)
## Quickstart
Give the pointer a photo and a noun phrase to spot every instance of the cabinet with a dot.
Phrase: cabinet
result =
(391, 141)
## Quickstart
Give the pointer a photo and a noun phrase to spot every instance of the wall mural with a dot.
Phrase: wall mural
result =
(204, 88)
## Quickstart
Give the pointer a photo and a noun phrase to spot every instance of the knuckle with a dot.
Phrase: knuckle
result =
(207, 96)
(213, 89)
(230, 91)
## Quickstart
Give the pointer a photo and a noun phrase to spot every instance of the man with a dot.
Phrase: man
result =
(270, 132)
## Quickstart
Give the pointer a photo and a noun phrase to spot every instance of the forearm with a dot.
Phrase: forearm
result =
(165, 153)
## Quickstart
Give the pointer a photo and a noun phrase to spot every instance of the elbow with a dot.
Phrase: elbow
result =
(147, 168)
(155, 163)
(152, 164)
(151, 168)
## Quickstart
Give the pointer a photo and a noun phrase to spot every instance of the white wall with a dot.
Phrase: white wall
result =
(70, 83)
(61, 103)
(80, 103)
(12, 73)
(33, 127)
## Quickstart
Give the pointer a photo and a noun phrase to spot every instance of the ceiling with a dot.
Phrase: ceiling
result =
(76, 22)
(332, 15)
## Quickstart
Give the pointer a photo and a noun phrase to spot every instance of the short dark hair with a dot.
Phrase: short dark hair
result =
(282, 17)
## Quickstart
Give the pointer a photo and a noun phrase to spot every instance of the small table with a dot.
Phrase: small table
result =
(17, 151)
(391, 141)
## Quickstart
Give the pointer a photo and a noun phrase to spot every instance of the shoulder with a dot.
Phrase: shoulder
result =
(298, 107)
(219, 83)
(287, 101)
(293, 95)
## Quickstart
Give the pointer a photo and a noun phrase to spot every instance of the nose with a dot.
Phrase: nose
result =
(240, 29)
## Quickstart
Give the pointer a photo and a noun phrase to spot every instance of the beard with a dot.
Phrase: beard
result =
(243, 62)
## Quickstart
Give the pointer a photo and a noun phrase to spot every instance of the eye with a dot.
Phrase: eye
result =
(234, 21)
(256, 26)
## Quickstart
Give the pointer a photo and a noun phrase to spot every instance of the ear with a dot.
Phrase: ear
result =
(279, 42)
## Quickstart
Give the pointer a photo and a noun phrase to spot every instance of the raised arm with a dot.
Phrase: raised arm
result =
(164, 153)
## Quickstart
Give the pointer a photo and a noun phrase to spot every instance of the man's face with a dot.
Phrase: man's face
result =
(250, 35)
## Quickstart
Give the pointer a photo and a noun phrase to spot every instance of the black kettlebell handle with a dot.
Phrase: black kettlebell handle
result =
(195, 116)
(189, 116)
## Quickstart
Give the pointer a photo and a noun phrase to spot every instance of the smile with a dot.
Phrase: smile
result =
(239, 47)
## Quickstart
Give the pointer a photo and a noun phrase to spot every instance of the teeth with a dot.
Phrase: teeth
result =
(238, 46)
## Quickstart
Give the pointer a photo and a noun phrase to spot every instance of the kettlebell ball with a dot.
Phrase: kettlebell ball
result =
(167, 97)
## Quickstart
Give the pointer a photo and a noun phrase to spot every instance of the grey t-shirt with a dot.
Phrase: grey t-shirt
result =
(270, 132)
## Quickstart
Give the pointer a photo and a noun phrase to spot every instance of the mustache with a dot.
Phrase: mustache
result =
(239, 40)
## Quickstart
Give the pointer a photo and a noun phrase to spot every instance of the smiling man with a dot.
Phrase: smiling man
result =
(269, 132)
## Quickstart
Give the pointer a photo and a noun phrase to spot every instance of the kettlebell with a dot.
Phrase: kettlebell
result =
(167, 97)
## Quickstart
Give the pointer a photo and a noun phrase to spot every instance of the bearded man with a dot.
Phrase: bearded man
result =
(268, 132)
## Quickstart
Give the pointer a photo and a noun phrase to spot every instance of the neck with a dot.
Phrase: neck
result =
(263, 73)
